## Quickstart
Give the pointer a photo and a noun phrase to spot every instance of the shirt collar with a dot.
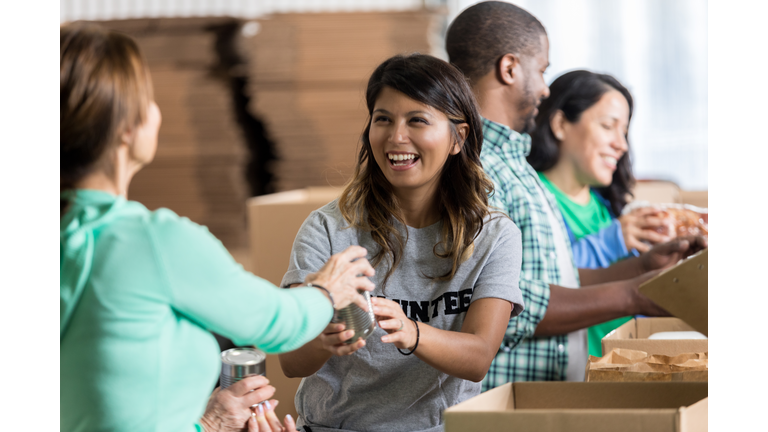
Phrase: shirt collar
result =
(499, 135)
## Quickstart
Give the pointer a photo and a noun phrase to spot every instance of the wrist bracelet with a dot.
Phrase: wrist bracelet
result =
(330, 296)
(417, 339)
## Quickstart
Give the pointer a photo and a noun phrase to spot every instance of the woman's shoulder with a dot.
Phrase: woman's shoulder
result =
(498, 225)
(329, 216)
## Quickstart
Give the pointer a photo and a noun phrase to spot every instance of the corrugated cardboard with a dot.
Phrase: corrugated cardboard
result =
(623, 365)
(634, 335)
(695, 198)
(273, 221)
(583, 407)
(657, 192)
(682, 290)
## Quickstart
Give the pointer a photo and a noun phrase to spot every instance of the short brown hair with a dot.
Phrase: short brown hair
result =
(485, 32)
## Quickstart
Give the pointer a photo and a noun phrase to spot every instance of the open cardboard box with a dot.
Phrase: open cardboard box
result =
(584, 407)
(682, 290)
(273, 222)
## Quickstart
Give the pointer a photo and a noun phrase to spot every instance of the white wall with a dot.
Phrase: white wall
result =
(658, 50)
(122, 9)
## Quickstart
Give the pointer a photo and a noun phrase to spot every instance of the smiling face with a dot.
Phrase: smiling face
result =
(595, 143)
(411, 142)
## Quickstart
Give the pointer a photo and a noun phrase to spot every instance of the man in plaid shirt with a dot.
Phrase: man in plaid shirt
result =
(503, 51)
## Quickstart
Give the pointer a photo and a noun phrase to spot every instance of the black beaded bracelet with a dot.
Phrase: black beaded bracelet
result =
(330, 296)
(417, 339)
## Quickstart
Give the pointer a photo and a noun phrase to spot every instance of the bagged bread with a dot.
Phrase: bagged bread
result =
(681, 219)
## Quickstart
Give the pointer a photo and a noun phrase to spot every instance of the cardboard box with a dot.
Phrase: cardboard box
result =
(273, 221)
(657, 192)
(695, 198)
(584, 407)
(634, 335)
(682, 290)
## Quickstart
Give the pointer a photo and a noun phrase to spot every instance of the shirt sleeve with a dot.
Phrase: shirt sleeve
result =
(311, 249)
(207, 286)
(600, 249)
(500, 275)
(511, 200)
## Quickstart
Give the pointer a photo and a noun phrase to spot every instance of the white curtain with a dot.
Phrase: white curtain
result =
(658, 50)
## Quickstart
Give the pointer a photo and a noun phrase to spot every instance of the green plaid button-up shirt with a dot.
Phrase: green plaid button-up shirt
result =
(520, 194)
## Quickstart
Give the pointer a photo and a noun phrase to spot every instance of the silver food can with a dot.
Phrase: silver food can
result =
(354, 318)
(238, 363)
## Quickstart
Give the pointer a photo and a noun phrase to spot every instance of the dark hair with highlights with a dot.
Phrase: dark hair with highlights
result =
(573, 93)
(368, 202)
(105, 88)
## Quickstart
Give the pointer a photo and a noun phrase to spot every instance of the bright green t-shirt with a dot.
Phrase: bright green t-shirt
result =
(140, 291)
(585, 220)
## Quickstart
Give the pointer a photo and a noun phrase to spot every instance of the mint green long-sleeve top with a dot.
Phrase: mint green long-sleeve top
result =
(139, 291)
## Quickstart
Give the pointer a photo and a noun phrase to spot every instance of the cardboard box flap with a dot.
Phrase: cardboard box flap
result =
(582, 407)
(498, 399)
(602, 395)
(694, 418)
(682, 290)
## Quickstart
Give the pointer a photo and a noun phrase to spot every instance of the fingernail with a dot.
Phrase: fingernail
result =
(268, 405)
(288, 416)
(260, 409)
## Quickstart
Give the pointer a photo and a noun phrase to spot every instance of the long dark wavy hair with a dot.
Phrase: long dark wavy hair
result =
(368, 202)
(105, 88)
(573, 93)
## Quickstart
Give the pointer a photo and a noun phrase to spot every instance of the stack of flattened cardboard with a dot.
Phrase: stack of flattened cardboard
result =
(201, 155)
(307, 78)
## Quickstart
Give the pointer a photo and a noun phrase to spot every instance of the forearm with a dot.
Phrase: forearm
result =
(463, 355)
(621, 270)
(574, 309)
(304, 361)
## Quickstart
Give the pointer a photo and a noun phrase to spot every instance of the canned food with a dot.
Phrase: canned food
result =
(238, 363)
(354, 318)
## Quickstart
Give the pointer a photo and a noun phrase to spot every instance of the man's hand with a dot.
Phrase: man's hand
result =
(667, 254)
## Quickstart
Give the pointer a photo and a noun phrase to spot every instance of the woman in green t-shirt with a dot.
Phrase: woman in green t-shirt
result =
(580, 149)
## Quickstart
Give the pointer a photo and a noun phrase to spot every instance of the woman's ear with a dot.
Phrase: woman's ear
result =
(127, 136)
(557, 124)
(462, 130)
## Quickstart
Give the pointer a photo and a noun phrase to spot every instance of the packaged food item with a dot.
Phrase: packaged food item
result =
(681, 219)
(676, 335)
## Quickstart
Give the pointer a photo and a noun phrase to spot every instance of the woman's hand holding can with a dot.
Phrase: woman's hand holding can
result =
(344, 275)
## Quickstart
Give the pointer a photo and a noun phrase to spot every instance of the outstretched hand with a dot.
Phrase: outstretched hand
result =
(667, 254)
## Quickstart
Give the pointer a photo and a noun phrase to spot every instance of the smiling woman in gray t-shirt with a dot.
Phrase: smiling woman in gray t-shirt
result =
(447, 267)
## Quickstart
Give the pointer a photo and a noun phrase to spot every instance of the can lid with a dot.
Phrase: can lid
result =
(243, 356)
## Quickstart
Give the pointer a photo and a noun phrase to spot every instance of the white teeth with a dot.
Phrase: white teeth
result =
(400, 157)
(610, 160)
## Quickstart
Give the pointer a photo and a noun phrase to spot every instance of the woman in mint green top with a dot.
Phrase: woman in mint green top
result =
(141, 289)
(580, 149)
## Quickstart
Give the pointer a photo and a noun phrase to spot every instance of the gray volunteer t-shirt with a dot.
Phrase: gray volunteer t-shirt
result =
(377, 388)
